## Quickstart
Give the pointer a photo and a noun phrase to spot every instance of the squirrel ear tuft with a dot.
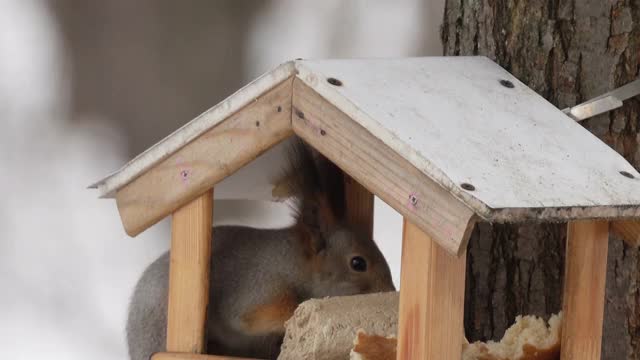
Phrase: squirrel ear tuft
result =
(325, 218)
(318, 185)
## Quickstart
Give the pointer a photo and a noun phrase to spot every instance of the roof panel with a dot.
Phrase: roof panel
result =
(452, 118)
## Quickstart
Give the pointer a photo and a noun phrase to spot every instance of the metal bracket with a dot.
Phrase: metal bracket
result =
(603, 103)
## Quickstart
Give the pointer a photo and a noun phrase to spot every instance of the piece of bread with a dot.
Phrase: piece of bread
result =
(530, 338)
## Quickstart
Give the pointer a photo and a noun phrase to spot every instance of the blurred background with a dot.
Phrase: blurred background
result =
(87, 85)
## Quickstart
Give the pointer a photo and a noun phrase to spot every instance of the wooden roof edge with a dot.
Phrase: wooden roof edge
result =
(108, 186)
(561, 214)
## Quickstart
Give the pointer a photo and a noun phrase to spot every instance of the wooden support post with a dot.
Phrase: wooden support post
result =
(584, 284)
(189, 275)
(359, 203)
(431, 299)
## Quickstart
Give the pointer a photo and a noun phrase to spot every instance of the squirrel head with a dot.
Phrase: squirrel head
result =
(342, 261)
(346, 263)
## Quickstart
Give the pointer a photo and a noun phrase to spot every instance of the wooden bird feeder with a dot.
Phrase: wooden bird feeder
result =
(445, 141)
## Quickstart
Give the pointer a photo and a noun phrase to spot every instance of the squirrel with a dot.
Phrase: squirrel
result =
(259, 276)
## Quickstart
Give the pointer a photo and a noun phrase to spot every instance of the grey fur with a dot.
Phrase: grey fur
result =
(248, 268)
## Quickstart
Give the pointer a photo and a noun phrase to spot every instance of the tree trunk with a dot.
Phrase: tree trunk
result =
(567, 51)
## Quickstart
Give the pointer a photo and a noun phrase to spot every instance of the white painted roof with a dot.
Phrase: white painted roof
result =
(453, 119)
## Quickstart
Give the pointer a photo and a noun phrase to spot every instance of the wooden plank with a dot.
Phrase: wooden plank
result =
(190, 257)
(359, 205)
(210, 158)
(452, 118)
(431, 299)
(381, 170)
(627, 230)
(187, 356)
(193, 129)
(584, 286)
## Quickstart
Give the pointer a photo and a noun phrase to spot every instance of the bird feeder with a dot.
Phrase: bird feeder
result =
(445, 141)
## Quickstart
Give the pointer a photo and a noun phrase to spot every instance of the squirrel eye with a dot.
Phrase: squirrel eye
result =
(358, 263)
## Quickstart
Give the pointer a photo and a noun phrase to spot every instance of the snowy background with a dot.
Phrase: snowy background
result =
(85, 86)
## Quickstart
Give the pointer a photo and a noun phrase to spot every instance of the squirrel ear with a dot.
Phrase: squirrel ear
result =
(312, 242)
(316, 214)
(315, 222)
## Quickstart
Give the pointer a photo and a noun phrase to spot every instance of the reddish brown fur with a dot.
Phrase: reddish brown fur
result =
(269, 318)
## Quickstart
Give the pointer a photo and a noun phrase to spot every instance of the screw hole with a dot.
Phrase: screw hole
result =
(279, 109)
(467, 186)
(627, 174)
(257, 123)
(299, 114)
(413, 199)
(334, 82)
(507, 84)
(323, 133)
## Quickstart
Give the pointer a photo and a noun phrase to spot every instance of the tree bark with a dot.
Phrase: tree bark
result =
(568, 51)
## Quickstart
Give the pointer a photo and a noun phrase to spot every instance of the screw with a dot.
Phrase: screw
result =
(507, 84)
(627, 174)
(467, 186)
(334, 82)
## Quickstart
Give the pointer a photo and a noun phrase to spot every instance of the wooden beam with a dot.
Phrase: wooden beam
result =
(431, 299)
(207, 160)
(190, 256)
(187, 356)
(359, 205)
(381, 170)
(584, 285)
(627, 230)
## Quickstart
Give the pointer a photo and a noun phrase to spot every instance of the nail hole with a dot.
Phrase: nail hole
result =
(334, 82)
(413, 199)
(257, 123)
(627, 174)
(279, 108)
(298, 58)
(507, 84)
(467, 186)
(300, 114)
(184, 174)
(322, 132)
